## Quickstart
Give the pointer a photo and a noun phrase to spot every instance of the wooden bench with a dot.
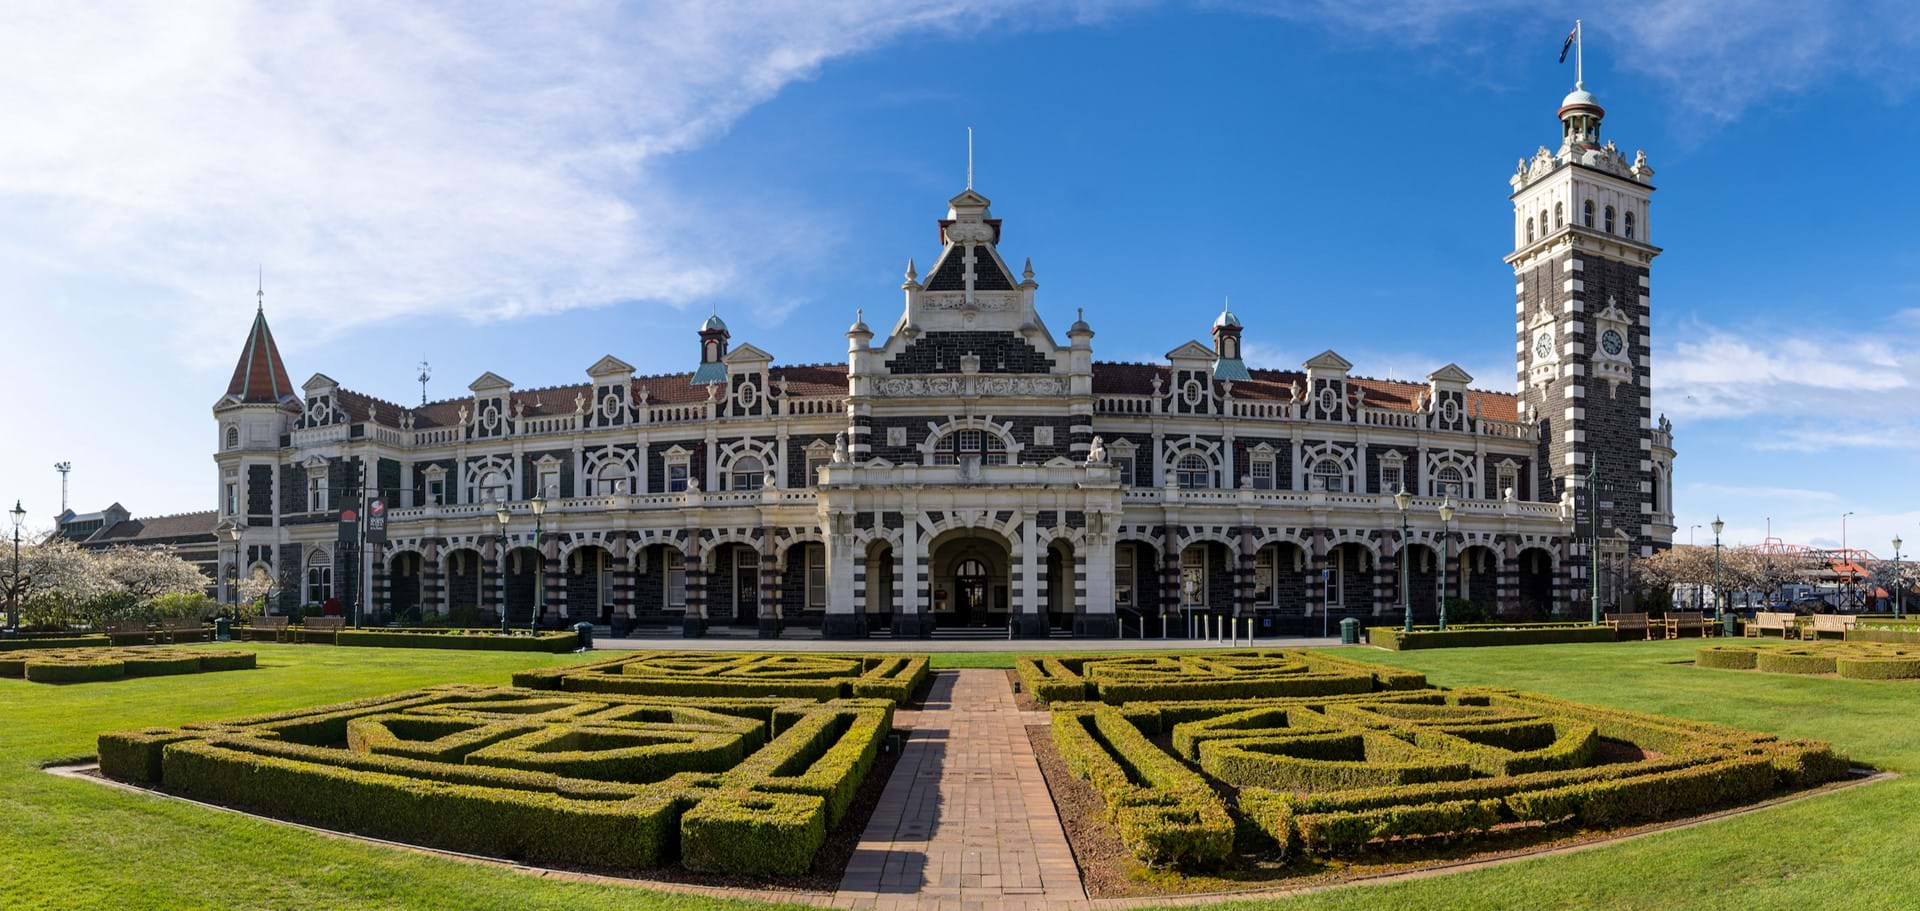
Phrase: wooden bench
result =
(182, 629)
(275, 626)
(1829, 623)
(1677, 622)
(127, 632)
(319, 629)
(1782, 622)
(1630, 623)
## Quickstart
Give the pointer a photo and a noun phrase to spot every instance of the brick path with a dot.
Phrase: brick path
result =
(965, 822)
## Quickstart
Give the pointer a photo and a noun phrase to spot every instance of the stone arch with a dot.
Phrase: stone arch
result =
(463, 574)
(937, 433)
(972, 574)
(1351, 565)
(1537, 567)
(588, 569)
(405, 571)
(1476, 568)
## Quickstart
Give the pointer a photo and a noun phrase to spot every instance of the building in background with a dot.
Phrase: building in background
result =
(191, 535)
(966, 467)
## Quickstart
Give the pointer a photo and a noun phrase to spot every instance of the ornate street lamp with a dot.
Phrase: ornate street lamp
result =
(19, 516)
(539, 506)
(1404, 500)
(1718, 610)
(1899, 584)
(1446, 555)
(231, 531)
(501, 516)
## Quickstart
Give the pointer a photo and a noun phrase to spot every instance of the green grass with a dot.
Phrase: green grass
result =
(76, 845)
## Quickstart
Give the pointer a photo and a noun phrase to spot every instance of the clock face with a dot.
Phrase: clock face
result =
(1612, 343)
(1543, 346)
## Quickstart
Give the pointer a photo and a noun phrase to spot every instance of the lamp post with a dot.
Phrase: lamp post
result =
(1846, 559)
(539, 506)
(1718, 613)
(501, 516)
(1191, 588)
(1446, 555)
(1899, 585)
(19, 516)
(231, 530)
(1404, 500)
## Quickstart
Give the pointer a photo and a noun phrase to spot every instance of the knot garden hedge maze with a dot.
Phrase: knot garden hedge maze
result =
(81, 665)
(827, 676)
(1855, 660)
(1335, 769)
(1216, 675)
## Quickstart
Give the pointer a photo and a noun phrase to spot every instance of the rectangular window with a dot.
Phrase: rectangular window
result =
(1262, 470)
(436, 493)
(676, 580)
(1123, 575)
(813, 471)
(1193, 577)
(677, 478)
(549, 484)
(1124, 467)
(816, 577)
(1392, 478)
(1508, 479)
(233, 499)
(319, 584)
(1336, 591)
(316, 494)
(1263, 576)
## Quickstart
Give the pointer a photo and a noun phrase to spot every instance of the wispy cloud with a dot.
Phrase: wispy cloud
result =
(1718, 57)
(388, 161)
(1769, 493)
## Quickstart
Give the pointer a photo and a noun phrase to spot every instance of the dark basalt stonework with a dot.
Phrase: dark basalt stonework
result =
(999, 352)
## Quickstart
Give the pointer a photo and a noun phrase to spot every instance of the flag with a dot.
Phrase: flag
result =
(1564, 48)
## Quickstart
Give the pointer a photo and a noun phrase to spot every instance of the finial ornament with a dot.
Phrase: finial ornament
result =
(912, 273)
(1027, 273)
(260, 291)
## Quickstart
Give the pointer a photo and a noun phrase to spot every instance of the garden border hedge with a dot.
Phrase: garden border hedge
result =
(340, 766)
(1854, 659)
(556, 643)
(91, 664)
(893, 677)
(1482, 635)
(1118, 678)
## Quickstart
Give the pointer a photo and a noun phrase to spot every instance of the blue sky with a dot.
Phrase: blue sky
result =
(526, 196)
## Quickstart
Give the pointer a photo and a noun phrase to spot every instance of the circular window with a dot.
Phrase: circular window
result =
(1329, 400)
(1191, 392)
(1450, 411)
(1543, 346)
(746, 394)
(1612, 342)
(610, 406)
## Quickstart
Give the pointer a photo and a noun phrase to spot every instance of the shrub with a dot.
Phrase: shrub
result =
(1122, 679)
(708, 674)
(91, 664)
(480, 640)
(1393, 637)
(53, 642)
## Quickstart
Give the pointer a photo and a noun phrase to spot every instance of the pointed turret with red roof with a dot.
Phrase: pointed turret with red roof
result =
(260, 377)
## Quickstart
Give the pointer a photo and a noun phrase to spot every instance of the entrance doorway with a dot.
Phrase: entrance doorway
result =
(746, 586)
(969, 572)
(972, 593)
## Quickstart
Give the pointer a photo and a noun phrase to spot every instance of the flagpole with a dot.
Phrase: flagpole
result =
(1579, 62)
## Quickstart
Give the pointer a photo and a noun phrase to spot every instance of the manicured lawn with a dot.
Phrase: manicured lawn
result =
(67, 844)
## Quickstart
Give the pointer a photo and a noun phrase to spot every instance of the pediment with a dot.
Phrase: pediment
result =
(490, 381)
(314, 462)
(745, 353)
(1329, 360)
(1451, 373)
(610, 366)
(1191, 351)
(318, 384)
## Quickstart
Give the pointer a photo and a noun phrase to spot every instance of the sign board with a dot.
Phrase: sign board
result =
(376, 519)
(349, 520)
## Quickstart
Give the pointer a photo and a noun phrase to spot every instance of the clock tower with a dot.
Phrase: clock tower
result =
(1582, 258)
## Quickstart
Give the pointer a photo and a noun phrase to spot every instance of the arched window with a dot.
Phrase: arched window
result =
(1609, 219)
(1629, 225)
(1529, 230)
(1329, 475)
(319, 577)
(1559, 214)
(1449, 482)
(233, 437)
(747, 473)
(1192, 472)
(1586, 213)
(1543, 221)
(988, 448)
(610, 481)
(493, 487)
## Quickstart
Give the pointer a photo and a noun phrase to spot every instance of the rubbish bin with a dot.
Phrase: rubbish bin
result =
(585, 632)
(1350, 631)
(1730, 624)
(221, 630)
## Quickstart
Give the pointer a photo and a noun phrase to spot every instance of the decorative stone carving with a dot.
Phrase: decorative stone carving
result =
(840, 455)
(1097, 452)
(968, 385)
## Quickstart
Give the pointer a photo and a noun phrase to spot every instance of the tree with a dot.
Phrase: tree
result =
(57, 583)
(1895, 577)
(148, 573)
(254, 591)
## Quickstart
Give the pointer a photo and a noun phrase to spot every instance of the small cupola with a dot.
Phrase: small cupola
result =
(1227, 363)
(713, 351)
(1580, 115)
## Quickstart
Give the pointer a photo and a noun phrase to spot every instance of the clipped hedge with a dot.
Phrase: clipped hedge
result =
(86, 665)
(1333, 775)
(1119, 679)
(612, 782)
(477, 640)
(821, 676)
(1854, 659)
(39, 643)
(1395, 638)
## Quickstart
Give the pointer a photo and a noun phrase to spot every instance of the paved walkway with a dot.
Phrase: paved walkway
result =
(965, 822)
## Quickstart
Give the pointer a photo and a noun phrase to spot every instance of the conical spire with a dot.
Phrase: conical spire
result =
(260, 378)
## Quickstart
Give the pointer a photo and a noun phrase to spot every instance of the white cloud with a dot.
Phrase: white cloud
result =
(389, 160)
(1821, 384)
(1717, 57)
(1770, 493)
